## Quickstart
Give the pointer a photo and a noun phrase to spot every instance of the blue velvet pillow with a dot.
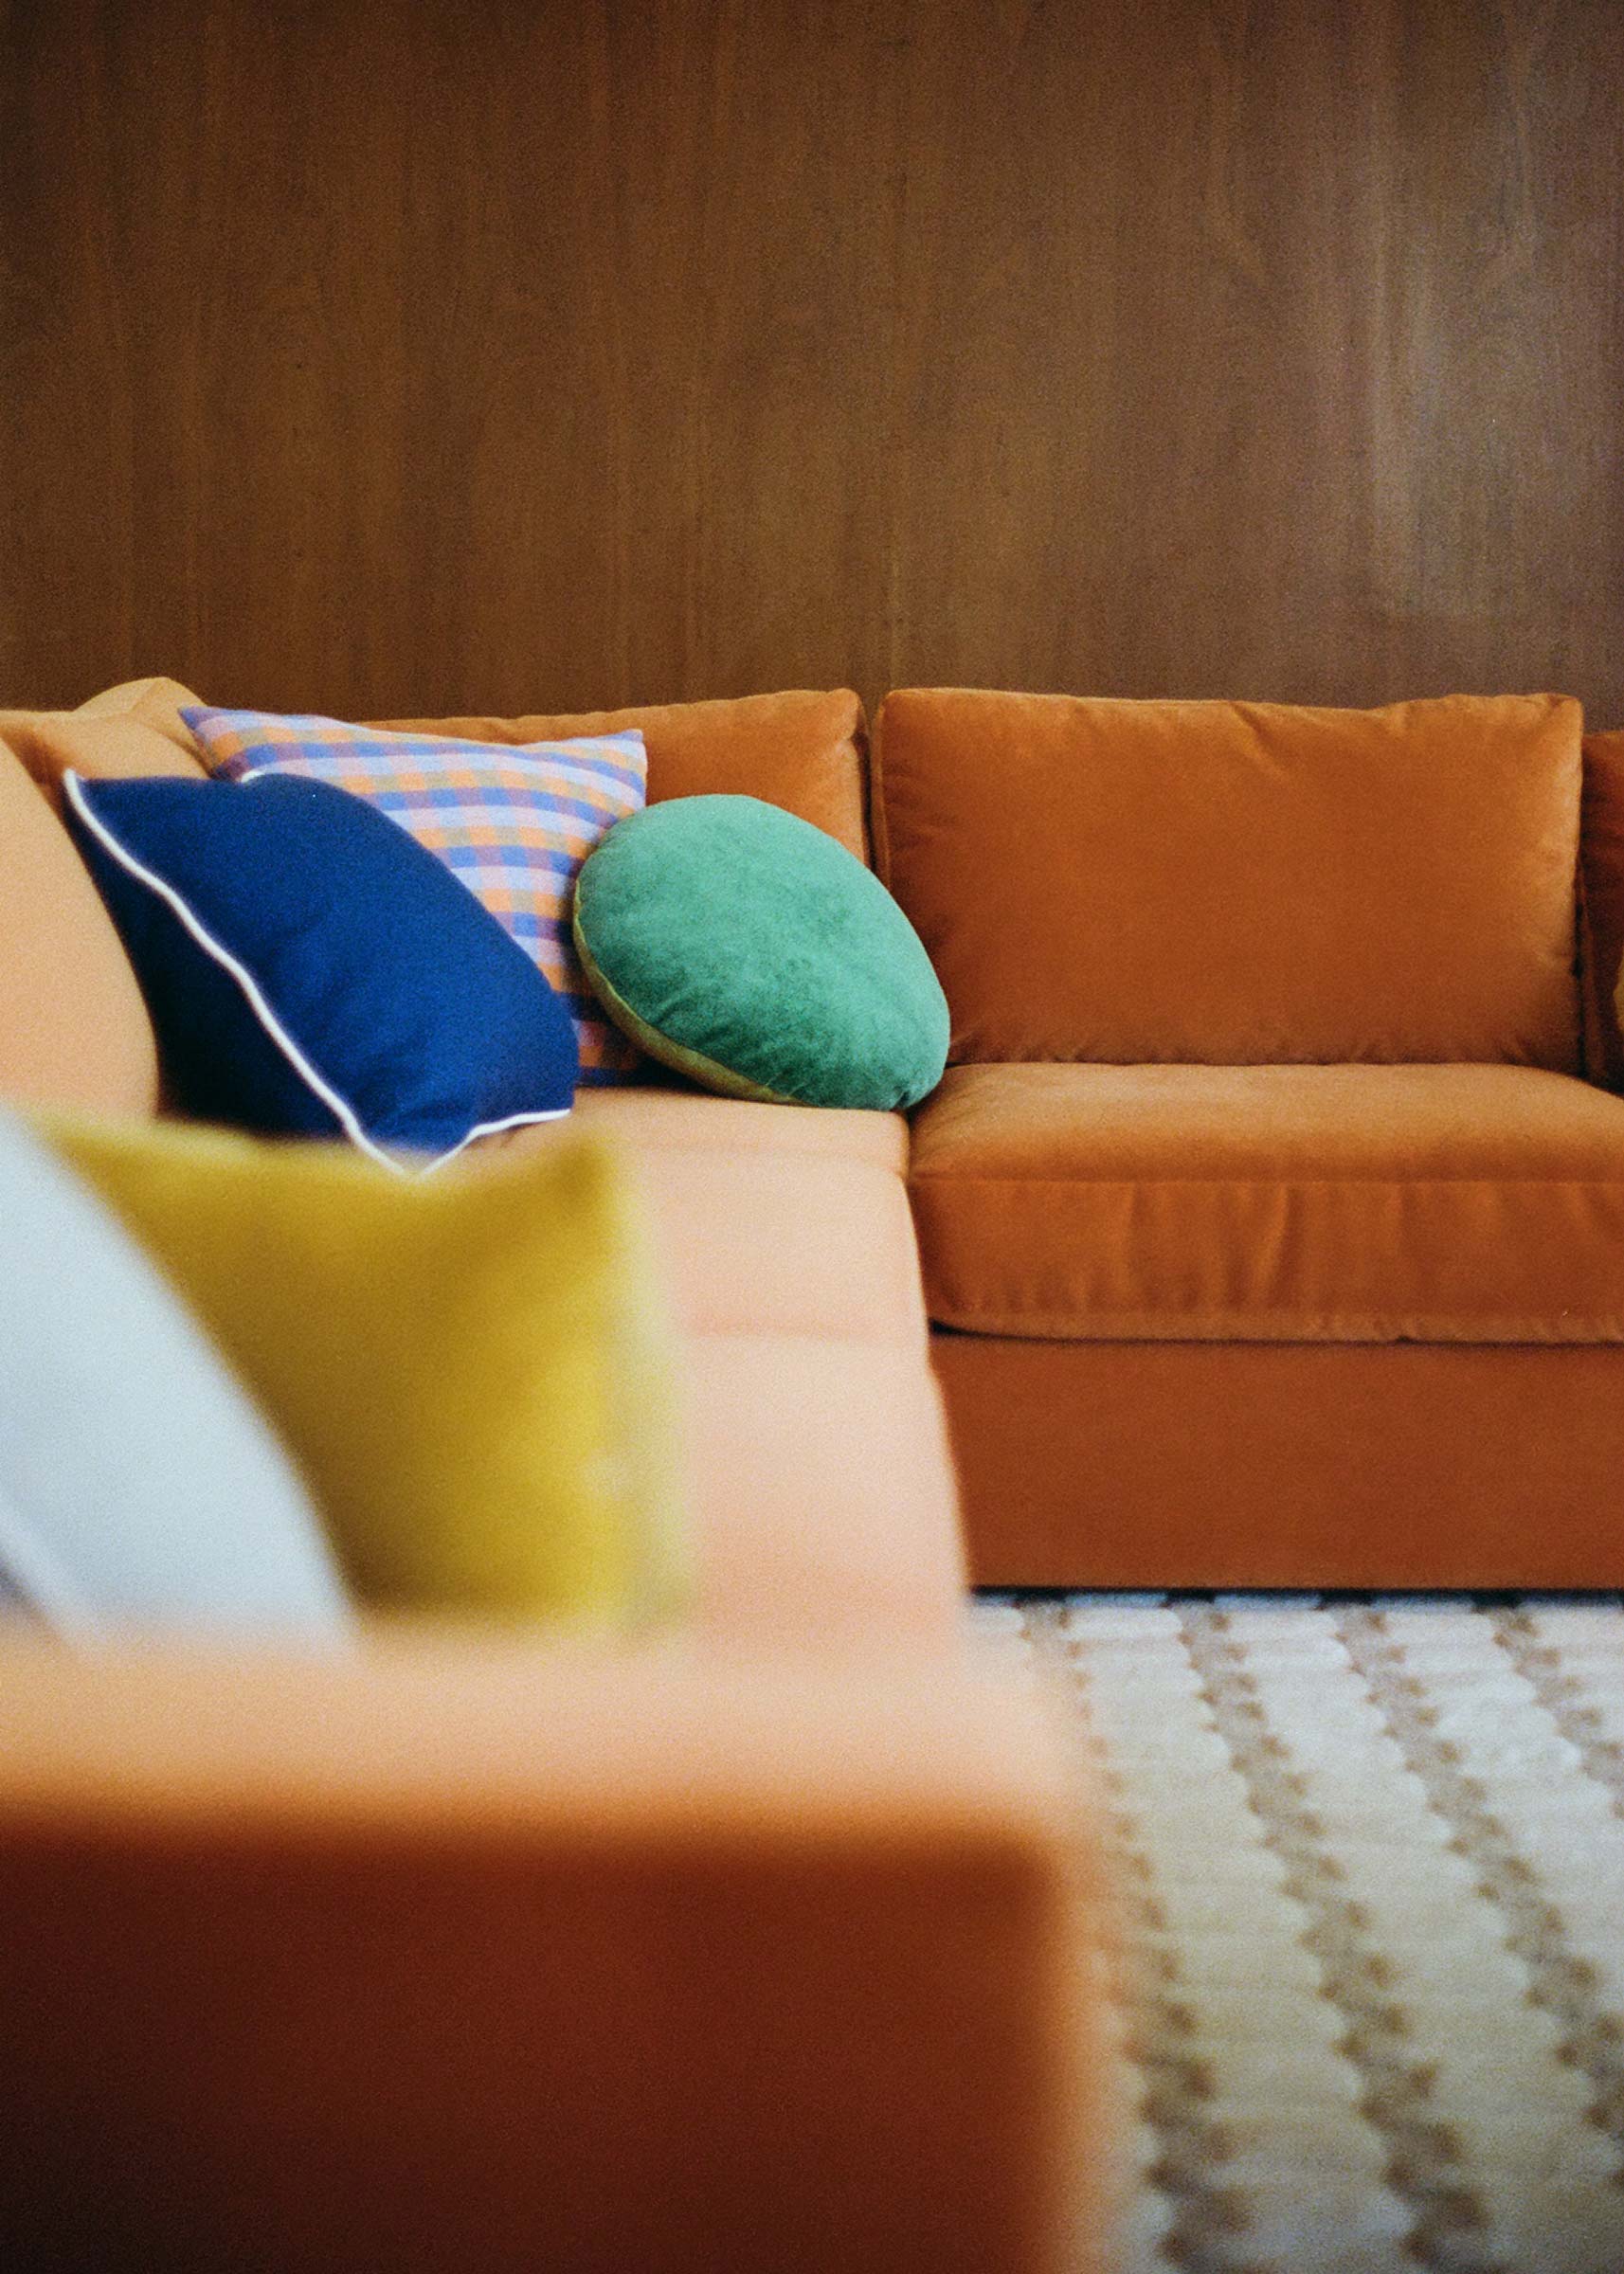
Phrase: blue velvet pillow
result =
(311, 971)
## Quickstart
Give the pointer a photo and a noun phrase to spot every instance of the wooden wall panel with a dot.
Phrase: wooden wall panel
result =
(382, 357)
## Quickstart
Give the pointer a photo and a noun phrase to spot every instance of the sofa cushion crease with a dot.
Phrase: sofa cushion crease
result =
(1601, 905)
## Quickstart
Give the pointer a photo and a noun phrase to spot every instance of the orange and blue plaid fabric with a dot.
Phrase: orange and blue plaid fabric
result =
(515, 821)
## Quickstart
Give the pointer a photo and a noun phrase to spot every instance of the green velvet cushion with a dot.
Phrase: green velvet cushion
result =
(749, 949)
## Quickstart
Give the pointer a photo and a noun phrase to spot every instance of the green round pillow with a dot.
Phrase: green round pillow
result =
(749, 951)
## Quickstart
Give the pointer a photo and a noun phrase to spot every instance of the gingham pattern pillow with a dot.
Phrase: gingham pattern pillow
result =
(515, 821)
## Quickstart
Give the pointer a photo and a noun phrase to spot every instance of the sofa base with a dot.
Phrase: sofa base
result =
(1287, 1464)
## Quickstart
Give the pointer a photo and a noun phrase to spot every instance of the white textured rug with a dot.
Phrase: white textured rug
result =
(1369, 1865)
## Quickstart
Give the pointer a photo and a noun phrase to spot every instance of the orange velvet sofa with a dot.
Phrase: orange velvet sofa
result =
(1271, 1211)
(1270, 1227)
(765, 1943)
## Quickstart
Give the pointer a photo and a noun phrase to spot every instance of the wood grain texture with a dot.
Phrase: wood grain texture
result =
(390, 359)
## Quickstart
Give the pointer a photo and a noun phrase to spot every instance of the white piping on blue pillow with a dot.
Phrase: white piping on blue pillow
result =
(490, 1128)
(339, 1107)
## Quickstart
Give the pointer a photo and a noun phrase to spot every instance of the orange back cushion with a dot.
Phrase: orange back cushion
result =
(132, 729)
(1238, 883)
(156, 703)
(73, 1028)
(804, 752)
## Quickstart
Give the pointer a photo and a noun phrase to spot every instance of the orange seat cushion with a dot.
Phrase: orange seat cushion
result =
(822, 1489)
(74, 1030)
(1273, 1204)
(803, 751)
(1238, 883)
(677, 1118)
(786, 1243)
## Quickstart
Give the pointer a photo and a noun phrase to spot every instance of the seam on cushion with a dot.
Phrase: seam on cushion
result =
(945, 1178)
(953, 1334)
(1244, 1326)
(1571, 1070)
(1590, 1050)
(861, 746)
(880, 826)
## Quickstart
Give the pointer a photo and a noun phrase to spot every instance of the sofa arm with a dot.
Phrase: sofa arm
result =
(463, 1954)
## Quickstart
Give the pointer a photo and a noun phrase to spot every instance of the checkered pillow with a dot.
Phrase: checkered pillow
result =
(515, 821)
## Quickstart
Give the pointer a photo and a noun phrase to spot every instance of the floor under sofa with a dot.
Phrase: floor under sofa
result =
(1370, 1912)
